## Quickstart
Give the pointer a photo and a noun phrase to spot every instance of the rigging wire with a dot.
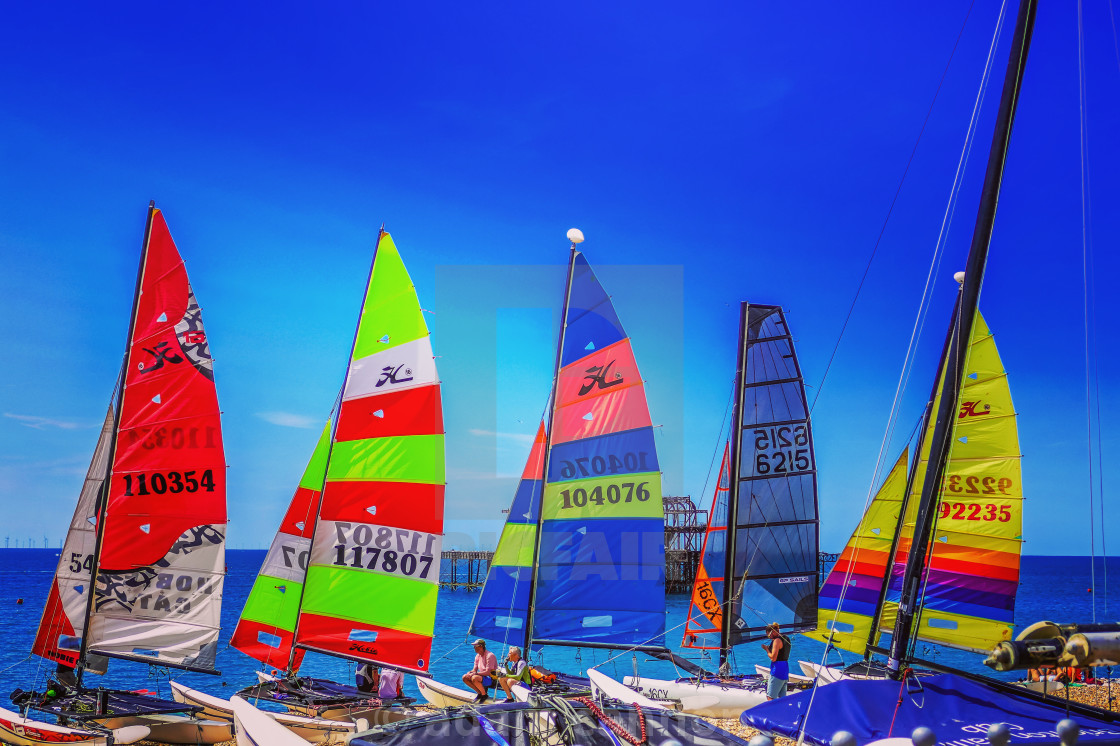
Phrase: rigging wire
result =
(1083, 116)
(890, 210)
(926, 294)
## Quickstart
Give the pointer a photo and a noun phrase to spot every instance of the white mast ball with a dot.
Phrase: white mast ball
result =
(575, 235)
(959, 277)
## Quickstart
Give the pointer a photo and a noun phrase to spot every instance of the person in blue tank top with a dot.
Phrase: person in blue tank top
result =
(778, 650)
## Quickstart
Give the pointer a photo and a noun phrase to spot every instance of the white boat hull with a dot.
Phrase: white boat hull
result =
(608, 687)
(824, 674)
(710, 699)
(1042, 687)
(257, 728)
(20, 731)
(312, 730)
(794, 678)
(439, 694)
(175, 729)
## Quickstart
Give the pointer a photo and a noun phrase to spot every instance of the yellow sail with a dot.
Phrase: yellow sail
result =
(969, 585)
(861, 568)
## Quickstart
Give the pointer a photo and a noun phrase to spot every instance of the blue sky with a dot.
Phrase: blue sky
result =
(711, 154)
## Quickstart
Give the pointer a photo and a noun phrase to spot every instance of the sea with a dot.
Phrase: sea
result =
(1055, 588)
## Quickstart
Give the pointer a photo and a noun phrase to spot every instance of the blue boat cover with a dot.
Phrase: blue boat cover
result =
(958, 710)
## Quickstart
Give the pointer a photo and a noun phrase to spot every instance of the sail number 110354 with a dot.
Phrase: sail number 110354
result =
(158, 483)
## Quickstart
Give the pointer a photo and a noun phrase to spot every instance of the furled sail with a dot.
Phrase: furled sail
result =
(268, 620)
(159, 574)
(502, 610)
(600, 578)
(64, 617)
(774, 513)
(972, 574)
(705, 612)
(862, 566)
(373, 575)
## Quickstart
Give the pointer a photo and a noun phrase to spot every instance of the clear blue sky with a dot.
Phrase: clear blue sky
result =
(711, 153)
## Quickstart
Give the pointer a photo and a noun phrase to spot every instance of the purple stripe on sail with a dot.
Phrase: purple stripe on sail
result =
(868, 595)
(973, 582)
(941, 592)
(933, 605)
(860, 581)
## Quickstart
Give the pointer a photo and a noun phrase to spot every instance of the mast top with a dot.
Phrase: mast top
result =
(959, 277)
(575, 235)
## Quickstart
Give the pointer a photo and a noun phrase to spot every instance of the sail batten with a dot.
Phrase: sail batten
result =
(373, 571)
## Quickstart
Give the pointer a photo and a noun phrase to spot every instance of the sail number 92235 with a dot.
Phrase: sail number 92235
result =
(973, 512)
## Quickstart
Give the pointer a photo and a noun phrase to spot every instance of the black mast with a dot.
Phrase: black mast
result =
(103, 493)
(575, 237)
(733, 491)
(954, 371)
(913, 473)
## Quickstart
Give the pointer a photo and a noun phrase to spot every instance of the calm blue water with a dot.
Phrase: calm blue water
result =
(1051, 588)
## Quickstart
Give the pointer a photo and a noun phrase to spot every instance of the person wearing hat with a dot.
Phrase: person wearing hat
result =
(778, 650)
(479, 678)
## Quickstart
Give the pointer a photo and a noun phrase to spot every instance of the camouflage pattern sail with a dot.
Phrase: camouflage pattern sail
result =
(268, 621)
(850, 596)
(158, 593)
(373, 575)
(972, 573)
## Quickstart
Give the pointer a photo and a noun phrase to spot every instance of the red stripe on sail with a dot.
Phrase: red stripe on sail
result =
(607, 370)
(612, 412)
(151, 498)
(410, 412)
(246, 639)
(55, 623)
(301, 510)
(392, 647)
(418, 507)
(534, 466)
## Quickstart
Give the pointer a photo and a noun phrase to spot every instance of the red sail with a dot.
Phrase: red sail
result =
(168, 476)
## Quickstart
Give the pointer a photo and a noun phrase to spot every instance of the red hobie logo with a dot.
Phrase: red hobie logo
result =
(969, 409)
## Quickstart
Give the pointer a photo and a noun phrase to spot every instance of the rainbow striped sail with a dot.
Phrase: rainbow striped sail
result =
(972, 572)
(373, 573)
(863, 566)
(600, 575)
(705, 613)
(268, 621)
(502, 610)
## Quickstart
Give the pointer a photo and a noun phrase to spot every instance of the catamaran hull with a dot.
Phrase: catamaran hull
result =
(20, 731)
(313, 730)
(175, 729)
(710, 699)
(345, 713)
(443, 695)
(764, 672)
(257, 728)
(825, 674)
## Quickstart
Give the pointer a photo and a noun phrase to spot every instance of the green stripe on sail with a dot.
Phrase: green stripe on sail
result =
(620, 497)
(391, 307)
(371, 598)
(313, 474)
(516, 545)
(403, 458)
(268, 605)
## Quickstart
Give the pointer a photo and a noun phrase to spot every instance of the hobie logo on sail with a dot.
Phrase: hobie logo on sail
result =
(600, 376)
(162, 355)
(389, 374)
(968, 409)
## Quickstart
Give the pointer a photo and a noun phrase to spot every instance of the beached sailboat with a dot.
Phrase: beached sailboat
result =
(140, 574)
(581, 559)
(971, 573)
(765, 570)
(353, 571)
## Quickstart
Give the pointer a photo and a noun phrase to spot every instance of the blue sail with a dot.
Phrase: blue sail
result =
(502, 611)
(601, 568)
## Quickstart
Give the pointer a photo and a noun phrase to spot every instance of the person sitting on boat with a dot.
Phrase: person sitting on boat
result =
(778, 650)
(480, 678)
(367, 677)
(514, 671)
(391, 685)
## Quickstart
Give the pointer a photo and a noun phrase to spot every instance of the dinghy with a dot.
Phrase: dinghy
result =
(21, 731)
(140, 574)
(257, 728)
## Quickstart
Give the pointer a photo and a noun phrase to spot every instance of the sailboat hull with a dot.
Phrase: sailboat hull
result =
(717, 699)
(20, 731)
(175, 728)
(444, 695)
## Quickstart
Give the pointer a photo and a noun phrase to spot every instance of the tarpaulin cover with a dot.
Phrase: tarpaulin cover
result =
(959, 712)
